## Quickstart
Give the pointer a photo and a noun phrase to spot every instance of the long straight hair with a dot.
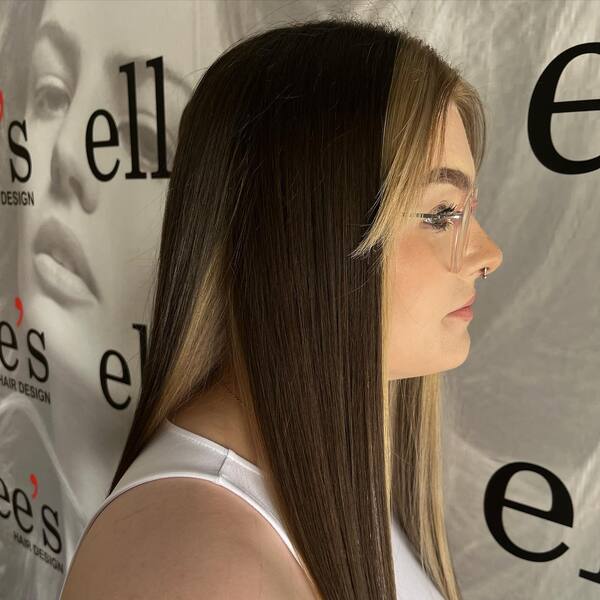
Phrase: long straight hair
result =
(297, 154)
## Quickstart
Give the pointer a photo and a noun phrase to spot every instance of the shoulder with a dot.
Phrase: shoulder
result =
(182, 537)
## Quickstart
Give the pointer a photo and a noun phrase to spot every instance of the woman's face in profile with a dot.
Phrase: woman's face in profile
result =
(78, 68)
(424, 337)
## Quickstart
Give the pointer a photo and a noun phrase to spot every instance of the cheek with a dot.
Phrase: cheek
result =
(416, 277)
(420, 340)
(27, 226)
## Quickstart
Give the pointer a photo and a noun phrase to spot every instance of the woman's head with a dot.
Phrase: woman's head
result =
(424, 338)
(286, 255)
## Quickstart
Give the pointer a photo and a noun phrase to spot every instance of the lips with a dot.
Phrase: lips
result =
(59, 241)
(469, 303)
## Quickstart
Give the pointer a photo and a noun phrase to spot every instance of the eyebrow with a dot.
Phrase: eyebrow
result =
(455, 177)
(69, 48)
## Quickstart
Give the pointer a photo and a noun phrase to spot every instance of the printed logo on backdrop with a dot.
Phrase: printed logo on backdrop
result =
(25, 509)
(18, 506)
(22, 198)
(543, 105)
(33, 346)
(38, 369)
(26, 198)
(561, 512)
(541, 109)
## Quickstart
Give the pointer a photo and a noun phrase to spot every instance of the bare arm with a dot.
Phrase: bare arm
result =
(187, 539)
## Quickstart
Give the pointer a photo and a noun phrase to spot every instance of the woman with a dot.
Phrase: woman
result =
(313, 258)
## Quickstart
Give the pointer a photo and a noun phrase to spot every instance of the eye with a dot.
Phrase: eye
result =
(441, 222)
(49, 100)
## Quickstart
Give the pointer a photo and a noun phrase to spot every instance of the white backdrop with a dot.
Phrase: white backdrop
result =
(522, 416)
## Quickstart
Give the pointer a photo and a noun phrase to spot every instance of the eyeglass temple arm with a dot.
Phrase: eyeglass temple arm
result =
(452, 215)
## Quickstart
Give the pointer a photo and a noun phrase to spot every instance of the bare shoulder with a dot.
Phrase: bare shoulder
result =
(183, 538)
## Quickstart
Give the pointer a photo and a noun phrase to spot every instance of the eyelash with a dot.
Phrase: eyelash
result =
(442, 225)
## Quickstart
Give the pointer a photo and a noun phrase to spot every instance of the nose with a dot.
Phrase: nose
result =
(482, 251)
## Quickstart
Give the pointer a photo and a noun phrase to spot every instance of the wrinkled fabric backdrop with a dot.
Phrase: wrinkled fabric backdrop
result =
(521, 415)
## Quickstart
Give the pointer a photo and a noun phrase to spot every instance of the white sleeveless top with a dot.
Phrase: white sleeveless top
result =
(177, 452)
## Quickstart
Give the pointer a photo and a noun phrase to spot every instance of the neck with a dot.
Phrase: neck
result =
(217, 414)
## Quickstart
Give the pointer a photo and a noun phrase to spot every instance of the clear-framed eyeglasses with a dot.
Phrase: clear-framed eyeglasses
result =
(457, 217)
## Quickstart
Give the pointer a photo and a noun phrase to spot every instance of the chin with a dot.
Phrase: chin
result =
(462, 358)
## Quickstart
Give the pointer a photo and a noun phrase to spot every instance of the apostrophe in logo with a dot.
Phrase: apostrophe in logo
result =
(34, 482)
(1, 105)
(19, 307)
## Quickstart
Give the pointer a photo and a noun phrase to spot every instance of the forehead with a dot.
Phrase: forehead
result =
(456, 152)
(100, 33)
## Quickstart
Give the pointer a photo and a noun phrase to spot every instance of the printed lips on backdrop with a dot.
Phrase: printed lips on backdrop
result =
(85, 156)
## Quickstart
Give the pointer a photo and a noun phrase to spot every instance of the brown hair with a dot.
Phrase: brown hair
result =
(298, 153)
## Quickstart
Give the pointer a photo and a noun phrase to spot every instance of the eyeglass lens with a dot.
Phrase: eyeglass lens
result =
(461, 233)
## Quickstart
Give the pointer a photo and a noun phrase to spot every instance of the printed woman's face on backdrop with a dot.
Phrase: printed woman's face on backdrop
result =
(424, 337)
(113, 225)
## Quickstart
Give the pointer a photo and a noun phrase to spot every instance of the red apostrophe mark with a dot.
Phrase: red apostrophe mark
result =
(34, 481)
(1, 105)
(19, 307)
